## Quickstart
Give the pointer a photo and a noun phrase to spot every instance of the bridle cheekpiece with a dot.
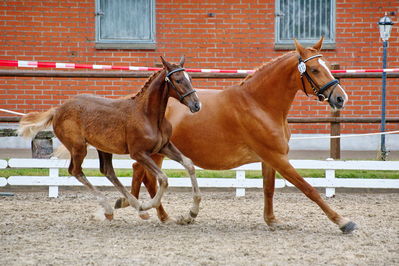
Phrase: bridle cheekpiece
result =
(169, 81)
(317, 90)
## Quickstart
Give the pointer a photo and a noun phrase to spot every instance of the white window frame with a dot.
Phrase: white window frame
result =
(126, 43)
(284, 44)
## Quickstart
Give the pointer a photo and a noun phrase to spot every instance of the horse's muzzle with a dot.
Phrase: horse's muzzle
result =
(338, 98)
(337, 102)
(195, 106)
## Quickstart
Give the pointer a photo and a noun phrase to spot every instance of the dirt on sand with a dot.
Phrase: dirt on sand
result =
(37, 230)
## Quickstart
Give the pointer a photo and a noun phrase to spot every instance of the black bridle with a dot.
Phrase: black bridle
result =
(319, 91)
(167, 79)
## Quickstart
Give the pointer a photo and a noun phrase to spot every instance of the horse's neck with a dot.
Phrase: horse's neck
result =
(155, 98)
(274, 86)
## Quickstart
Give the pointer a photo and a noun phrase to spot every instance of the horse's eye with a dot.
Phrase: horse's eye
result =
(178, 81)
(314, 70)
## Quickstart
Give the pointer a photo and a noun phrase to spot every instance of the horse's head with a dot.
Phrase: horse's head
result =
(318, 78)
(180, 82)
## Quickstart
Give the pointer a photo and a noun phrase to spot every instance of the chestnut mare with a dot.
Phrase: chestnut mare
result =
(248, 123)
(134, 126)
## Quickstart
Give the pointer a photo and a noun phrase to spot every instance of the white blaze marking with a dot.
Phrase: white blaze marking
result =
(186, 75)
(321, 62)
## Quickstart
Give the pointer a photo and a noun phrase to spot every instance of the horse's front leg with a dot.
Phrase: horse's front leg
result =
(173, 153)
(145, 160)
(269, 178)
(138, 176)
(107, 169)
(282, 165)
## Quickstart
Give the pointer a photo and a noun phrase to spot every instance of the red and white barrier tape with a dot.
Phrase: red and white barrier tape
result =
(11, 112)
(35, 64)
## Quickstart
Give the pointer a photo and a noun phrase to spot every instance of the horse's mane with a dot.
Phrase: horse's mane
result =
(267, 65)
(146, 84)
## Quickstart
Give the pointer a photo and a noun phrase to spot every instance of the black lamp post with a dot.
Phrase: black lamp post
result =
(385, 25)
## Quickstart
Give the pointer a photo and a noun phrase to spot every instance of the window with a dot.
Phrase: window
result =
(125, 24)
(305, 20)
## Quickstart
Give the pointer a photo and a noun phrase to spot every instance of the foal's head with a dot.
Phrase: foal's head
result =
(317, 78)
(180, 87)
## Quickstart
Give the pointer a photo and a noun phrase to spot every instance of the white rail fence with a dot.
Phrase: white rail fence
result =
(240, 183)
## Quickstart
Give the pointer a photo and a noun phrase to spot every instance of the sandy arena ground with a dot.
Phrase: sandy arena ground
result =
(37, 230)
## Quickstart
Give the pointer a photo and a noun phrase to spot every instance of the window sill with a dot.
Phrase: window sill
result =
(126, 46)
(291, 46)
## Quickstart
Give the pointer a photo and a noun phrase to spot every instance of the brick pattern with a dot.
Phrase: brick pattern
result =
(239, 35)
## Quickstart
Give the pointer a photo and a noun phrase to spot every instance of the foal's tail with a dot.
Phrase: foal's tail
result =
(32, 123)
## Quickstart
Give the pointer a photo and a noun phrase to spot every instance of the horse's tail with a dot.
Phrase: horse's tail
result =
(62, 152)
(32, 123)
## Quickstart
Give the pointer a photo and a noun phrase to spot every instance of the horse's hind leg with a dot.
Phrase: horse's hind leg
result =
(145, 160)
(173, 153)
(75, 169)
(107, 169)
(269, 177)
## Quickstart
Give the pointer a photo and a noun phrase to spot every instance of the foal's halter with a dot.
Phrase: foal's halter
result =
(319, 91)
(167, 79)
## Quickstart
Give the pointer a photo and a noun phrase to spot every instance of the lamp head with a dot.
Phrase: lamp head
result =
(385, 25)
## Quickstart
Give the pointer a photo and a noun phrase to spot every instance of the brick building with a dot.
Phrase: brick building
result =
(231, 34)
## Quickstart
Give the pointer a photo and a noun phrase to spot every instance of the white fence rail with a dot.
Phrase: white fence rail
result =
(330, 182)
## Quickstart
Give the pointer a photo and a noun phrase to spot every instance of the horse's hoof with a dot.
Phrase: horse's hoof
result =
(144, 215)
(109, 217)
(273, 222)
(168, 220)
(348, 228)
(184, 220)
(193, 214)
(118, 203)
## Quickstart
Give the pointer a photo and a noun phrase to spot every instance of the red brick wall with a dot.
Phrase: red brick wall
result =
(241, 35)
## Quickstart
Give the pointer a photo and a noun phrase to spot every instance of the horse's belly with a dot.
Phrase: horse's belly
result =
(109, 147)
(215, 155)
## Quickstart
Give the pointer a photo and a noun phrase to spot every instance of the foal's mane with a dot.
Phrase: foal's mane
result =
(267, 65)
(146, 84)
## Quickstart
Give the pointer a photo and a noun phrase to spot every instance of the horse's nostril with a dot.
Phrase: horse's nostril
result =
(197, 105)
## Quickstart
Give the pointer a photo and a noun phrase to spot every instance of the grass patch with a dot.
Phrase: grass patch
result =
(210, 174)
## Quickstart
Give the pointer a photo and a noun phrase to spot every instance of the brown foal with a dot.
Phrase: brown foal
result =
(136, 126)
(248, 123)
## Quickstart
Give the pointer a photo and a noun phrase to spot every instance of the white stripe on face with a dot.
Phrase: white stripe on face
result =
(186, 75)
(321, 62)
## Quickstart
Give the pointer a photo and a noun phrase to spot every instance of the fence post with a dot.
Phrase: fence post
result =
(335, 130)
(240, 177)
(330, 176)
(53, 190)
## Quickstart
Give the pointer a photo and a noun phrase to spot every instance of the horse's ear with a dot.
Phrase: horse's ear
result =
(299, 48)
(319, 44)
(182, 60)
(166, 64)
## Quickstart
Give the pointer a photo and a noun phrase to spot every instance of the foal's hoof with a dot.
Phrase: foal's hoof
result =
(169, 220)
(184, 220)
(144, 215)
(348, 228)
(118, 203)
(109, 217)
(273, 222)
(193, 214)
